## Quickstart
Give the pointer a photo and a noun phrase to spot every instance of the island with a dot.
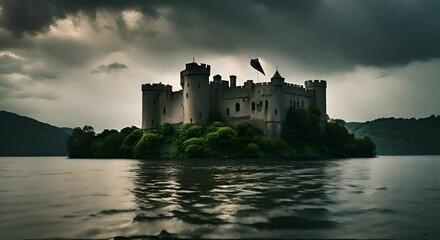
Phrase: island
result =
(220, 119)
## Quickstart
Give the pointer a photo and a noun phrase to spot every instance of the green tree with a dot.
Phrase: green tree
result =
(130, 142)
(148, 146)
(79, 143)
(195, 148)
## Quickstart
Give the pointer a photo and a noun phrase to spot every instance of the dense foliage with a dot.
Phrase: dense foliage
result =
(401, 136)
(303, 135)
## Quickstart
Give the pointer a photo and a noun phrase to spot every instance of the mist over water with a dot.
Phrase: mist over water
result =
(384, 197)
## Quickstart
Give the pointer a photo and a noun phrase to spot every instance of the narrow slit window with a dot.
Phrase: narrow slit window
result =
(253, 106)
(164, 110)
(276, 112)
(237, 107)
(227, 111)
(267, 104)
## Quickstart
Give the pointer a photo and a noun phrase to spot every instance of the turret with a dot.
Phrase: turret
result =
(277, 79)
(319, 87)
(150, 104)
(195, 85)
(233, 80)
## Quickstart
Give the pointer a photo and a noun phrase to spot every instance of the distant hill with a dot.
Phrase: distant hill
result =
(23, 136)
(397, 136)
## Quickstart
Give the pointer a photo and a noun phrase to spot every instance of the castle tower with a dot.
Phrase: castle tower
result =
(275, 109)
(319, 87)
(195, 84)
(150, 105)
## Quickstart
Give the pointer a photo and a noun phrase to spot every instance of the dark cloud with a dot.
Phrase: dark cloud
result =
(110, 68)
(332, 35)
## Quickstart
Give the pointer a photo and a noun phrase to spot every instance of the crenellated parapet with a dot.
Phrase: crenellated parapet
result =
(311, 84)
(196, 69)
(156, 87)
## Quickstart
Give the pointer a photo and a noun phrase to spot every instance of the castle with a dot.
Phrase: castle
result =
(265, 104)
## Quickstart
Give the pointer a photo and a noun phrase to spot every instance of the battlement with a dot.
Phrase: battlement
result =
(196, 69)
(292, 85)
(315, 83)
(156, 87)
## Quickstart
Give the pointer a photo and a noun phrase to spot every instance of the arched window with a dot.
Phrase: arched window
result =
(227, 111)
(237, 107)
(164, 110)
(191, 120)
(186, 95)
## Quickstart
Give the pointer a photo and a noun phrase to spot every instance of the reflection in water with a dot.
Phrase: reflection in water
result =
(210, 197)
(392, 197)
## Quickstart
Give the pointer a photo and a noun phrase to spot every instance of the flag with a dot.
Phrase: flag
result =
(256, 64)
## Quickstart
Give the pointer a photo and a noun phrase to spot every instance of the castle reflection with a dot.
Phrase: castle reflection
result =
(257, 194)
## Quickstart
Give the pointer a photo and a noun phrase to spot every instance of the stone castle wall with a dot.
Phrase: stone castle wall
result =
(265, 104)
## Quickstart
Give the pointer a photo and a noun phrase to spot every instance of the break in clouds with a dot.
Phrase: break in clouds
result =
(381, 58)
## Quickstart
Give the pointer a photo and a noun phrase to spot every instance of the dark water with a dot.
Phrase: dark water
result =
(384, 197)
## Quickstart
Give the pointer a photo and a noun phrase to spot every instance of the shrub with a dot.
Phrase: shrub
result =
(252, 150)
(148, 146)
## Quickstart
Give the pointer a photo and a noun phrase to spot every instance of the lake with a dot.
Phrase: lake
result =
(383, 197)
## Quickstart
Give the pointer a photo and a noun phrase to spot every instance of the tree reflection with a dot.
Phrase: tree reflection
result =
(261, 194)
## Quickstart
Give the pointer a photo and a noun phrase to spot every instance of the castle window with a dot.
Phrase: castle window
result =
(244, 100)
(302, 103)
(261, 103)
(191, 120)
(297, 104)
(154, 101)
(187, 85)
(152, 122)
(187, 95)
(253, 106)
(227, 111)
(267, 104)
(164, 110)
(237, 107)
(276, 112)
(200, 114)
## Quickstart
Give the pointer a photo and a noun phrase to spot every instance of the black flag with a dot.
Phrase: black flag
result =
(256, 64)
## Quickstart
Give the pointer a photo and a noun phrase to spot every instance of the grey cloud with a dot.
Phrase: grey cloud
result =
(10, 65)
(110, 68)
(328, 35)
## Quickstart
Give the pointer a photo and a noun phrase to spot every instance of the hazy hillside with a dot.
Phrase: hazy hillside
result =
(401, 136)
(23, 136)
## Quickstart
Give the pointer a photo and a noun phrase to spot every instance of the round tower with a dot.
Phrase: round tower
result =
(319, 87)
(150, 105)
(195, 85)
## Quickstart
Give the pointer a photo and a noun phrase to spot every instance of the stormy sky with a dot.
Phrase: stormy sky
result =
(77, 62)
